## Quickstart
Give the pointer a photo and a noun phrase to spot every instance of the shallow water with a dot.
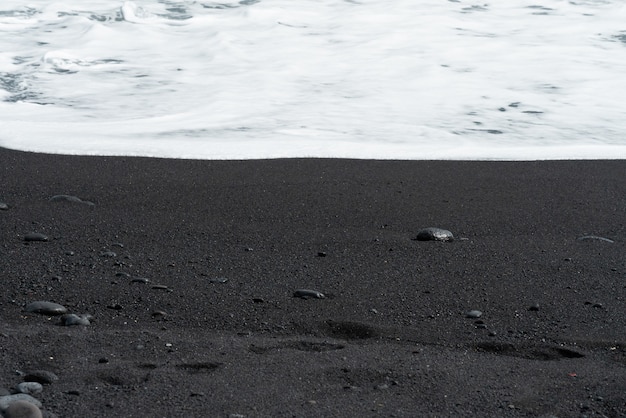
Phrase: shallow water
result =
(315, 78)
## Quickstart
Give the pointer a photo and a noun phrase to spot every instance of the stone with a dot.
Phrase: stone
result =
(218, 280)
(45, 308)
(72, 199)
(35, 236)
(434, 234)
(4, 206)
(308, 294)
(473, 314)
(7, 401)
(30, 388)
(594, 238)
(41, 376)
(73, 319)
(22, 409)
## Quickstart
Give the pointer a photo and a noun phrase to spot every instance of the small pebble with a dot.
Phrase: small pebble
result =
(161, 287)
(45, 308)
(68, 198)
(35, 236)
(6, 401)
(73, 319)
(41, 376)
(30, 388)
(308, 294)
(4, 206)
(218, 280)
(473, 314)
(594, 237)
(107, 254)
(22, 409)
(143, 280)
(434, 234)
(534, 307)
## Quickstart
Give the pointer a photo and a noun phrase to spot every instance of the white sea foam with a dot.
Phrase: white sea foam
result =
(397, 79)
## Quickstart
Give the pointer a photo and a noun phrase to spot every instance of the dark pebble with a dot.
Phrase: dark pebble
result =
(594, 237)
(534, 307)
(308, 294)
(218, 280)
(473, 314)
(73, 319)
(321, 254)
(434, 234)
(143, 280)
(45, 308)
(72, 199)
(23, 408)
(35, 236)
(30, 388)
(41, 376)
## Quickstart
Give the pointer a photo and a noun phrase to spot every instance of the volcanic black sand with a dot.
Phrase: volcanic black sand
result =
(189, 268)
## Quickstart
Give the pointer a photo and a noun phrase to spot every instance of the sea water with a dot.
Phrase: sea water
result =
(244, 79)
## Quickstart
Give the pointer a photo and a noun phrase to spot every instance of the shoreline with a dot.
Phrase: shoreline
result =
(391, 337)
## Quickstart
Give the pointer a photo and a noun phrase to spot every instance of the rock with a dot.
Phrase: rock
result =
(534, 307)
(4, 206)
(41, 376)
(45, 308)
(594, 237)
(473, 314)
(22, 409)
(30, 388)
(7, 401)
(73, 319)
(218, 280)
(72, 199)
(108, 254)
(308, 294)
(143, 280)
(35, 236)
(434, 234)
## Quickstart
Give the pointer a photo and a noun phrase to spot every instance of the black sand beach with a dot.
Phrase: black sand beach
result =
(216, 329)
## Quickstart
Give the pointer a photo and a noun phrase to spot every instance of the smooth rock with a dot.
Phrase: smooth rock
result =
(41, 376)
(4, 206)
(68, 198)
(308, 294)
(22, 409)
(434, 234)
(30, 388)
(473, 314)
(35, 236)
(6, 401)
(73, 319)
(45, 308)
(594, 237)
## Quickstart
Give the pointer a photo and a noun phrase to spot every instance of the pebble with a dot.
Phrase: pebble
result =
(534, 307)
(22, 409)
(68, 198)
(434, 234)
(143, 280)
(35, 236)
(6, 401)
(107, 254)
(45, 308)
(218, 280)
(41, 376)
(30, 388)
(594, 237)
(308, 294)
(473, 314)
(73, 319)
(4, 206)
